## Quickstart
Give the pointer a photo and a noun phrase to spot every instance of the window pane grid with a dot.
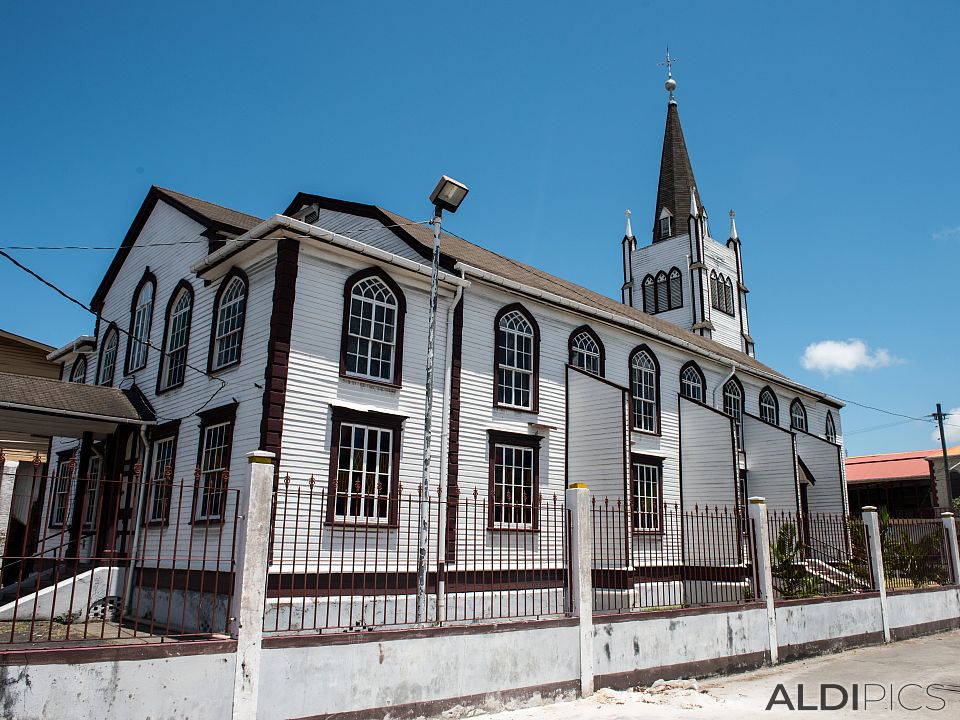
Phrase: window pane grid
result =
(160, 479)
(515, 361)
(108, 359)
(768, 408)
(230, 323)
(175, 361)
(140, 332)
(586, 354)
(61, 490)
(93, 490)
(798, 416)
(733, 406)
(513, 485)
(646, 497)
(371, 332)
(214, 462)
(691, 386)
(644, 384)
(364, 470)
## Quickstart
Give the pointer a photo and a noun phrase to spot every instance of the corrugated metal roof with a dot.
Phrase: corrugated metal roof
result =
(888, 466)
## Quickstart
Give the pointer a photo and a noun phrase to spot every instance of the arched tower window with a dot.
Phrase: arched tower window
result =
(645, 389)
(676, 289)
(728, 296)
(586, 351)
(518, 349)
(714, 291)
(692, 383)
(733, 406)
(649, 295)
(663, 292)
(769, 407)
(798, 415)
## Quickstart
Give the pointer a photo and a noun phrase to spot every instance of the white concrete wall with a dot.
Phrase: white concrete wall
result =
(191, 686)
(917, 608)
(802, 623)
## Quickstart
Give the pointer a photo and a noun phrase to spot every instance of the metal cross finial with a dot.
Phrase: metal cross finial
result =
(670, 84)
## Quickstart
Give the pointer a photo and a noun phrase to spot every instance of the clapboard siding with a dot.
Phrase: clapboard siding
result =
(827, 495)
(15, 357)
(596, 432)
(771, 469)
(706, 452)
(722, 259)
(366, 230)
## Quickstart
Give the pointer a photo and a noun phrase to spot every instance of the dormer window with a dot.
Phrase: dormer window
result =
(665, 227)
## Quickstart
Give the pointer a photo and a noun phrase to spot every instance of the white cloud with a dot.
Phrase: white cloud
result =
(838, 356)
(947, 233)
(951, 428)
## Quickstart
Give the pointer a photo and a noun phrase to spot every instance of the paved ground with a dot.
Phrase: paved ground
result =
(932, 663)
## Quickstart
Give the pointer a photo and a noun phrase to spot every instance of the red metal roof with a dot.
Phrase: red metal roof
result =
(889, 466)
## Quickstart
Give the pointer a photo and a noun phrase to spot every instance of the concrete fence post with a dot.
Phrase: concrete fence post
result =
(577, 499)
(871, 524)
(757, 512)
(250, 583)
(953, 550)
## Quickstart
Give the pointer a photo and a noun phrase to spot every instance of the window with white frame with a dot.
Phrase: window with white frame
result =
(691, 383)
(769, 411)
(230, 313)
(140, 328)
(364, 472)
(645, 491)
(665, 226)
(372, 331)
(798, 416)
(108, 358)
(585, 352)
(514, 486)
(175, 343)
(831, 428)
(515, 361)
(733, 406)
(643, 384)
(60, 495)
(78, 373)
(161, 479)
(92, 497)
(214, 469)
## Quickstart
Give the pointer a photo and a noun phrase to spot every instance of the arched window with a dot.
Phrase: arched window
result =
(78, 373)
(692, 383)
(676, 289)
(371, 345)
(733, 406)
(141, 318)
(798, 415)
(230, 309)
(645, 389)
(176, 337)
(586, 350)
(518, 350)
(714, 291)
(831, 428)
(649, 295)
(663, 292)
(769, 407)
(108, 357)
(728, 296)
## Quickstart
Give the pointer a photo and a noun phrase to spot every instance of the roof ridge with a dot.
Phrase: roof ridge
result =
(179, 195)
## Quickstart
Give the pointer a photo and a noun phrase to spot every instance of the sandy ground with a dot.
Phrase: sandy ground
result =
(932, 663)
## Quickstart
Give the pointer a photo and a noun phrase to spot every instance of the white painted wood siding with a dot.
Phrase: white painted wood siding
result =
(707, 457)
(771, 464)
(596, 434)
(828, 495)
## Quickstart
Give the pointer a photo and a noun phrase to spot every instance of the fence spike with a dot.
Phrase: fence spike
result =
(606, 501)
(475, 493)
(311, 481)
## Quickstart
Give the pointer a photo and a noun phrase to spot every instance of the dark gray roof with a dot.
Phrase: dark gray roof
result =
(217, 214)
(59, 397)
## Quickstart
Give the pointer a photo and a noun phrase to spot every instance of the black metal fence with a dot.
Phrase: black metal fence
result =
(915, 554)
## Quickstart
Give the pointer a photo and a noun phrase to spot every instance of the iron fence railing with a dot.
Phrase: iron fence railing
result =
(114, 561)
(350, 562)
(915, 554)
(817, 554)
(666, 557)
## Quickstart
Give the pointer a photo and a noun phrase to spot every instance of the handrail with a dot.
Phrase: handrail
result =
(45, 550)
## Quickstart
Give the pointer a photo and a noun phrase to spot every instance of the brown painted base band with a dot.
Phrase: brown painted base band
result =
(698, 668)
(115, 653)
(927, 628)
(829, 645)
(551, 692)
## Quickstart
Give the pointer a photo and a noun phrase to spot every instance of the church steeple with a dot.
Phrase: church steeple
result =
(677, 186)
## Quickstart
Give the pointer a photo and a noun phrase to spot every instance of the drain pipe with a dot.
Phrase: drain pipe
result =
(126, 601)
(444, 443)
(733, 370)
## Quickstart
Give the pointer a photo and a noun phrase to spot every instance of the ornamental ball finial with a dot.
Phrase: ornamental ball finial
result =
(670, 84)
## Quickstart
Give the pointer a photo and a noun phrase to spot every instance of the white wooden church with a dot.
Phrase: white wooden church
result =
(305, 334)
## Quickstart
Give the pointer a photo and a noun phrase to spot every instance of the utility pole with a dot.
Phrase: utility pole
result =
(943, 447)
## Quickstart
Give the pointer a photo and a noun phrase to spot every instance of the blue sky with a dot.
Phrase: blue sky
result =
(829, 128)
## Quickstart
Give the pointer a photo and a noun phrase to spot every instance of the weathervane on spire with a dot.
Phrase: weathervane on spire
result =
(670, 84)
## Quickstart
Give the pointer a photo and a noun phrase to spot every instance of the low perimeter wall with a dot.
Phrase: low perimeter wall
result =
(410, 673)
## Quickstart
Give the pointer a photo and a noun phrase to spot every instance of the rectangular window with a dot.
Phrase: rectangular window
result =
(645, 491)
(214, 469)
(161, 479)
(514, 481)
(665, 227)
(60, 494)
(93, 492)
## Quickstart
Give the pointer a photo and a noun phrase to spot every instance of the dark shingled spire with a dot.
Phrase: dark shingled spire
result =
(676, 177)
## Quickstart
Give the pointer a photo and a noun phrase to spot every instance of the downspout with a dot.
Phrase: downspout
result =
(127, 600)
(444, 465)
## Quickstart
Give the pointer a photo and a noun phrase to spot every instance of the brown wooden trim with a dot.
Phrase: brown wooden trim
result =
(377, 272)
(631, 501)
(596, 338)
(394, 423)
(147, 278)
(214, 416)
(161, 369)
(693, 669)
(434, 708)
(498, 437)
(535, 376)
(205, 581)
(116, 653)
(643, 347)
(453, 434)
(235, 272)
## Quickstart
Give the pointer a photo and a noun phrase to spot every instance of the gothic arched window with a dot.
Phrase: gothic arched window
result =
(676, 289)
(586, 350)
(769, 407)
(372, 327)
(230, 310)
(714, 291)
(663, 292)
(733, 406)
(649, 295)
(831, 428)
(176, 336)
(518, 350)
(141, 318)
(692, 383)
(645, 389)
(798, 415)
(728, 296)
(108, 357)
(78, 373)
